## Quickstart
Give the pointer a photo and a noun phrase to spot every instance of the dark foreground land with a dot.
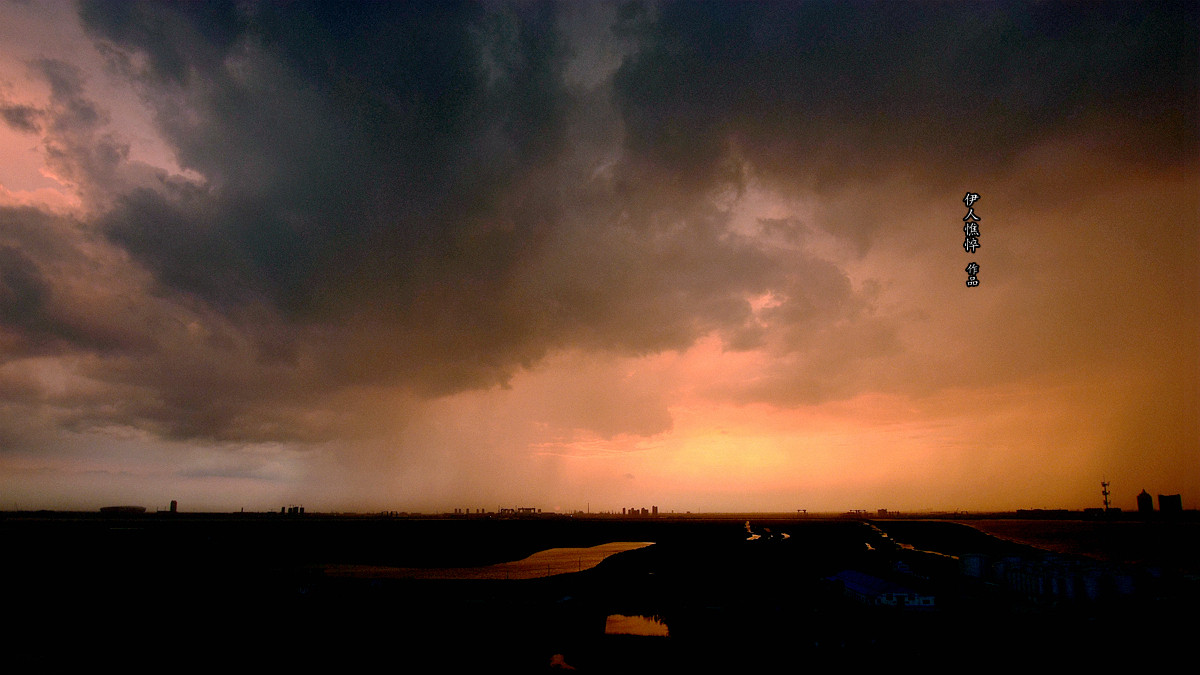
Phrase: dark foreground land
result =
(165, 593)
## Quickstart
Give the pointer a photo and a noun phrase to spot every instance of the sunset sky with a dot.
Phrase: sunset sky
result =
(705, 256)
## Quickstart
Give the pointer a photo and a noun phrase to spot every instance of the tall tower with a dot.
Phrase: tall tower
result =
(1145, 502)
(1104, 491)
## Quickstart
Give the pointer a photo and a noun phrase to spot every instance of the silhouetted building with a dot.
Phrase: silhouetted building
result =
(1170, 503)
(1145, 502)
(174, 506)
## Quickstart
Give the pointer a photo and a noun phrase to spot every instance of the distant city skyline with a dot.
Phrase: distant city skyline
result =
(706, 256)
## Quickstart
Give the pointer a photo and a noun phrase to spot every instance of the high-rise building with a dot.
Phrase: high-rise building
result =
(1145, 502)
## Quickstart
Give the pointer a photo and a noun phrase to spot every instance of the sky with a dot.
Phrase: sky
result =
(707, 256)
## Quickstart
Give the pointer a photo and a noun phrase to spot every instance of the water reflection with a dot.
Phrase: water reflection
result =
(769, 534)
(541, 564)
(750, 532)
(619, 624)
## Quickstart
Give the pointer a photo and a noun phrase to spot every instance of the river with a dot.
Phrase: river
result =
(541, 564)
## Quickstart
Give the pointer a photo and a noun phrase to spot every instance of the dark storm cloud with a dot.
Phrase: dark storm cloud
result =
(421, 194)
(330, 132)
(394, 179)
(22, 289)
(25, 118)
(824, 92)
(44, 307)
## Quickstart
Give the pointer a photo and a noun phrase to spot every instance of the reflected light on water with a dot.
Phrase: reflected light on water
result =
(619, 624)
(541, 564)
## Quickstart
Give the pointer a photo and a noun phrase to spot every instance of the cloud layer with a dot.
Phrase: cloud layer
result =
(375, 207)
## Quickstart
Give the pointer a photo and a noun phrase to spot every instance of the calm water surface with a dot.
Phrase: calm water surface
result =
(541, 564)
(619, 624)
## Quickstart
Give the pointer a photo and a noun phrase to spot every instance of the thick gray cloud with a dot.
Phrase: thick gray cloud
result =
(342, 147)
(23, 291)
(46, 306)
(392, 183)
(431, 195)
(822, 93)
(21, 117)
